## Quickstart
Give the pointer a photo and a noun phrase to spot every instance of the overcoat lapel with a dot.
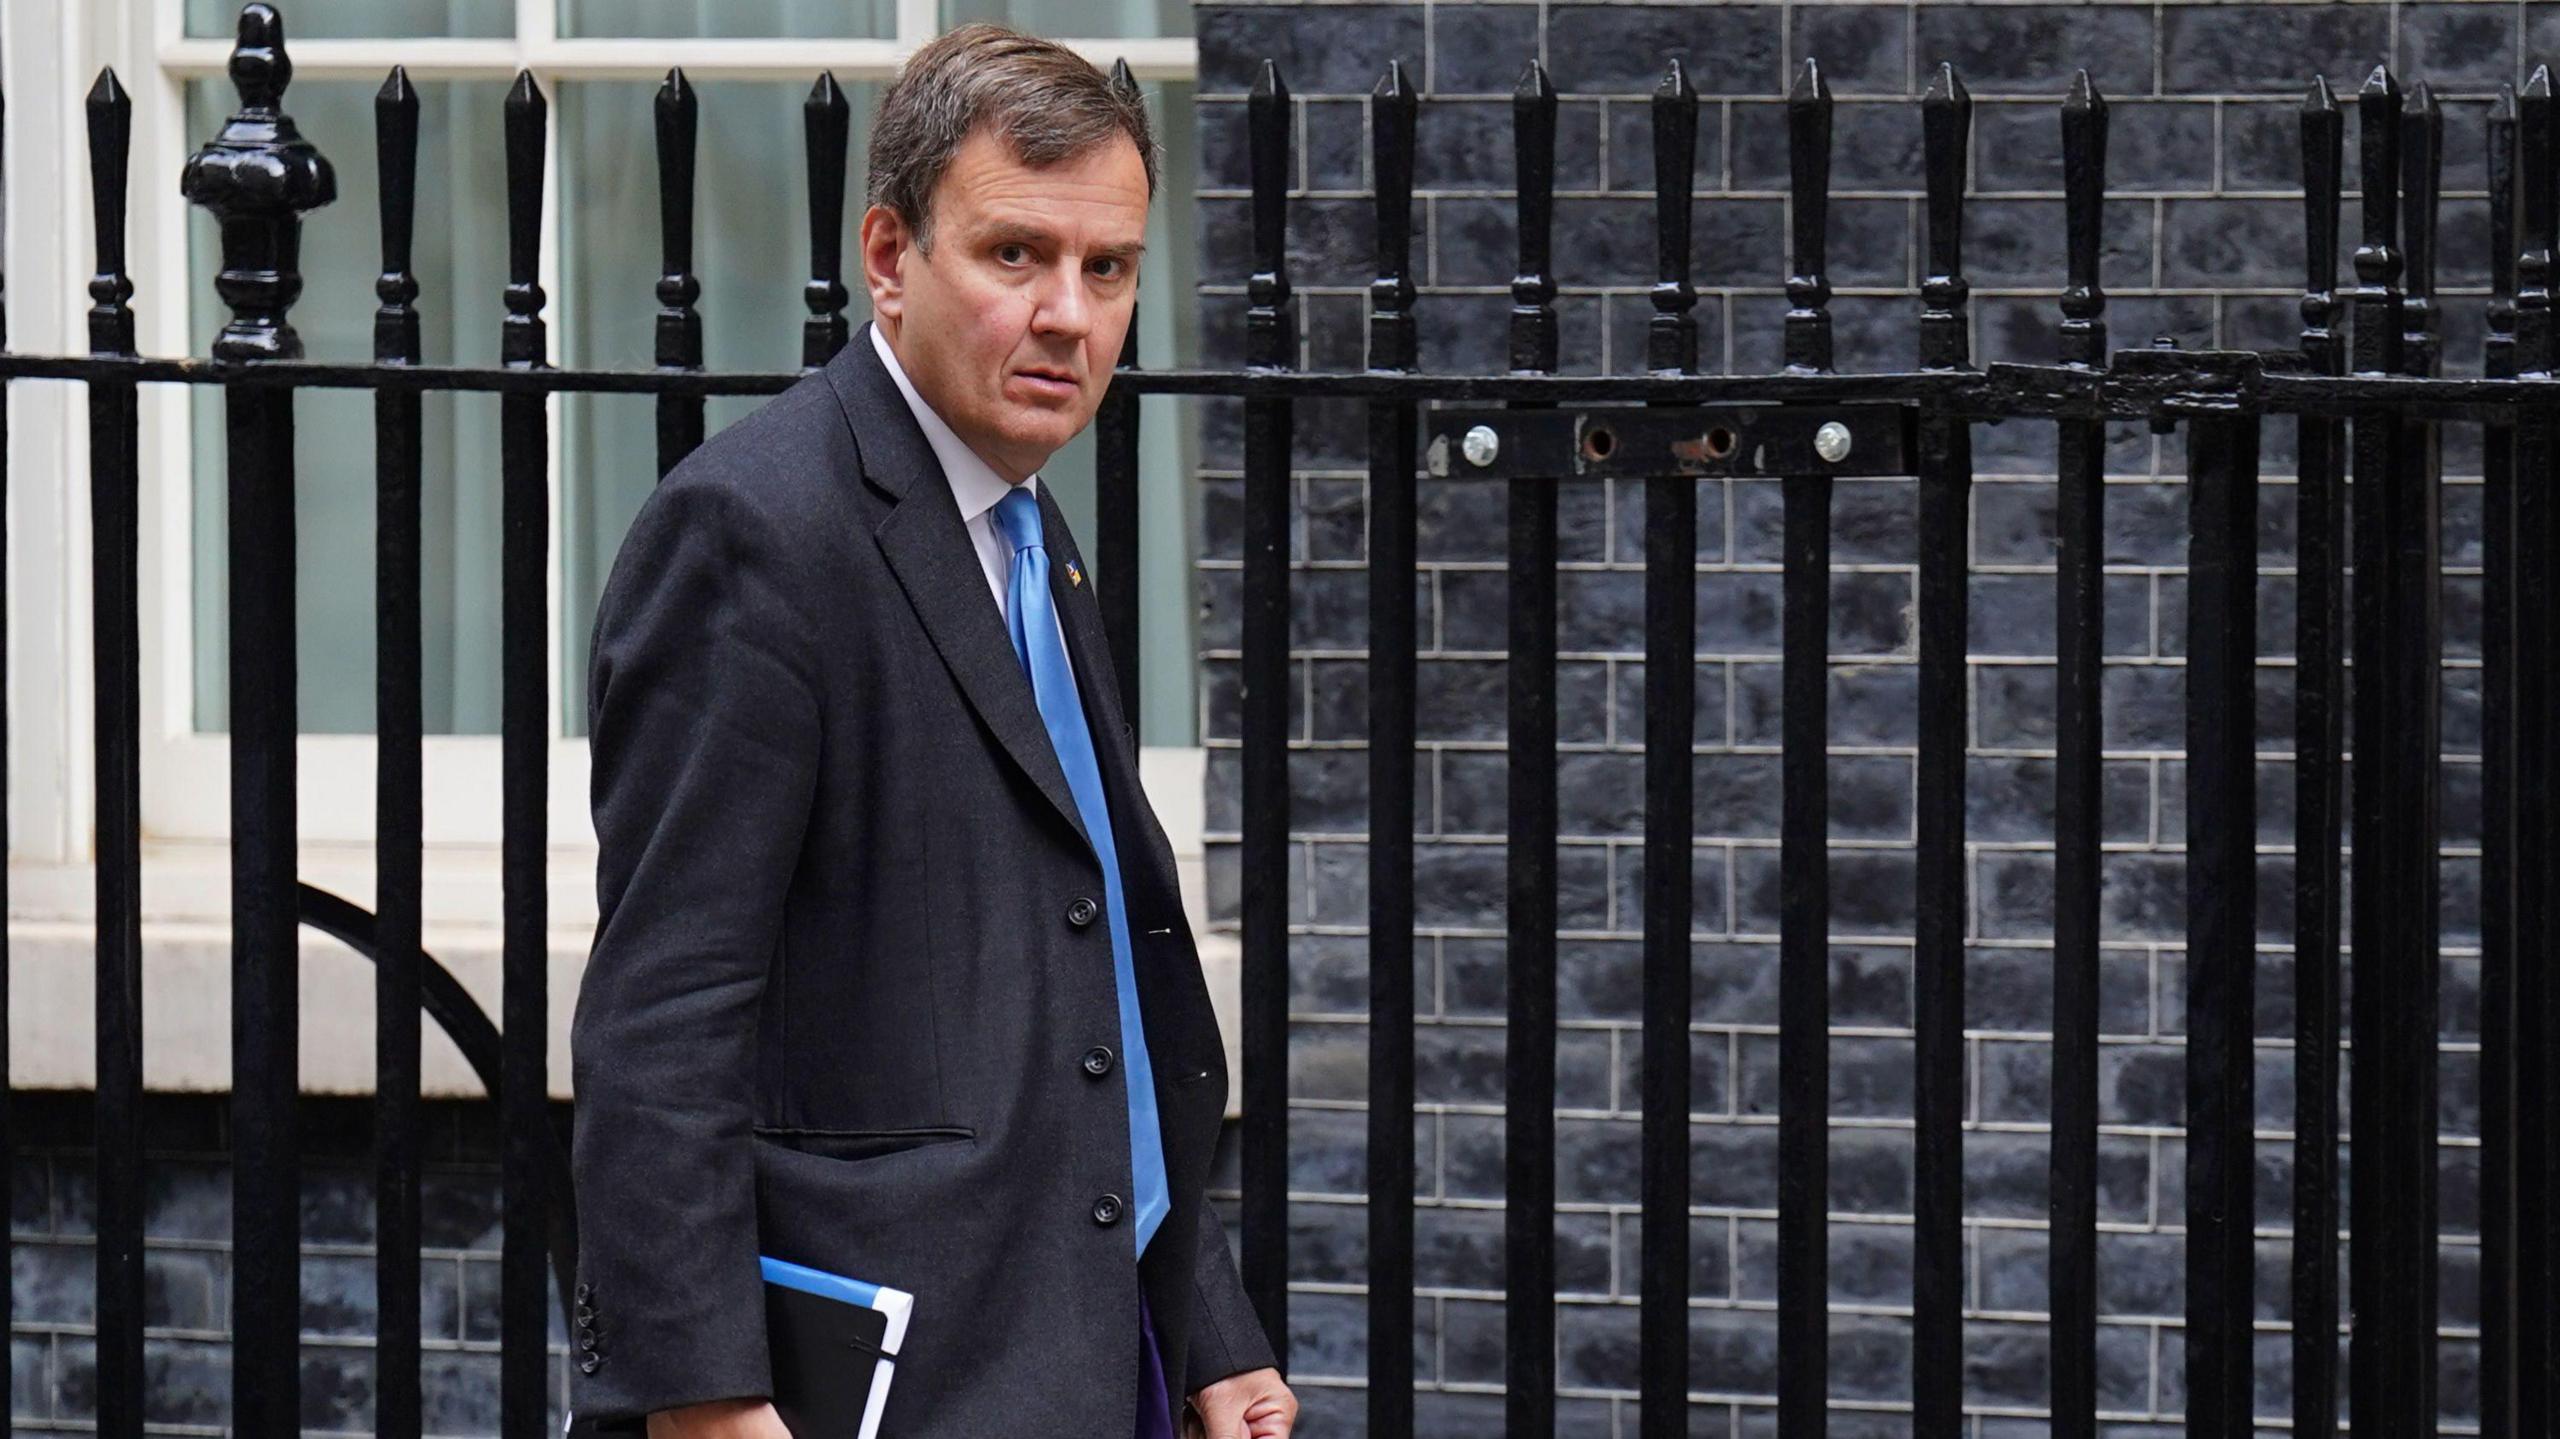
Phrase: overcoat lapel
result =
(928, 547)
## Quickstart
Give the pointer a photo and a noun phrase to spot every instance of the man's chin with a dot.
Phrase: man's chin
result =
(1043, 431)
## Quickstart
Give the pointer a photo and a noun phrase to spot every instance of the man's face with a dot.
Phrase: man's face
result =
(1009, 326)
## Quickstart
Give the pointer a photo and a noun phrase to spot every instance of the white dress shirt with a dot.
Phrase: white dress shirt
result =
(977, 487)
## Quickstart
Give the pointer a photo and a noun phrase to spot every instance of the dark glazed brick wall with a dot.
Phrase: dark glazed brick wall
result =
(187, 1266)
(2203, 244)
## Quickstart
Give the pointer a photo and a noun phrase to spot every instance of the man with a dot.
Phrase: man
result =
(891, 977)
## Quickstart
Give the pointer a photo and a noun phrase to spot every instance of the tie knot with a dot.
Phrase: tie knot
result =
(1018, 516)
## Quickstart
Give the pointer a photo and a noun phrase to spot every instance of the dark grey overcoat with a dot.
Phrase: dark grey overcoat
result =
(850, 1001)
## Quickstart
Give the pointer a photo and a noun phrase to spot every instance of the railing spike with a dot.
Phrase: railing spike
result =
(2534, 212)
(825, 121)
(2378, 259)
(527, 114)
(2422, 183)
(1533, 286)
(395, 124)
(1946, 122)
(2323, 169)
(1392, 113)
(110, 123)
(1671, 340)
(2084, 188)
(1808, 333)
(2502, 203)
(679, 329)
(1270, 337)
(1809, 84)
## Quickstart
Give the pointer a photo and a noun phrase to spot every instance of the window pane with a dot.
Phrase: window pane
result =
(751, 253)
(367, 19)
(729, 19)
(460, 261)
(1078, 19)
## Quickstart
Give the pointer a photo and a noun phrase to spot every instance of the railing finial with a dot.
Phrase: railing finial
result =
(259, 66)
(257, 175)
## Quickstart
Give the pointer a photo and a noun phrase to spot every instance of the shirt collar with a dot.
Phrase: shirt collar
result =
(974, 483)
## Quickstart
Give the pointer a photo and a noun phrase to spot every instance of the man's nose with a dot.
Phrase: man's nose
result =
(1064, 309)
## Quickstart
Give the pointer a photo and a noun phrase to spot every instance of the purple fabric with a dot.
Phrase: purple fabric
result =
(1155, 1420)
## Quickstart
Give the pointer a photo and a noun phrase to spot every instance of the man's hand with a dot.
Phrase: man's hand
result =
(719, 1419)
(1251, 1405)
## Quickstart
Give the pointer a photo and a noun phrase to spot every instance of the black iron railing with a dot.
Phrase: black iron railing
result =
(2366, 407)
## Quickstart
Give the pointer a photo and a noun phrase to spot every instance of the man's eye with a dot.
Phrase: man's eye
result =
(1012, 254)
(1110, 269)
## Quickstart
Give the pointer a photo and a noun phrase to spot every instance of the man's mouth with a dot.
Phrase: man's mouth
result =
(1046, 380)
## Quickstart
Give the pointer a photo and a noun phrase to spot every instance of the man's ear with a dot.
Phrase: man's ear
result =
(885, 241)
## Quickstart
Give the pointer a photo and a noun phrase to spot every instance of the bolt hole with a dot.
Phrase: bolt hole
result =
(1719, 443)
(1599, 442)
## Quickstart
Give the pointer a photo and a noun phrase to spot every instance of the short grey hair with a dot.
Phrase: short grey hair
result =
(1047, 103)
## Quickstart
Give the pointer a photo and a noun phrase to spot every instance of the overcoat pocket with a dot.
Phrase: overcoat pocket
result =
(859, 1144)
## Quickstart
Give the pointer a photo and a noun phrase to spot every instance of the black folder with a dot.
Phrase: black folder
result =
(833, 1343)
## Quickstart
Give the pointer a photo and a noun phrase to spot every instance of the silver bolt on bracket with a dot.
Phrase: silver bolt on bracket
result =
(1832, 442)
(1481, 445)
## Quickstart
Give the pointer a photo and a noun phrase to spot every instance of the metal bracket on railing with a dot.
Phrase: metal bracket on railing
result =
(1634, 443)
(2179, 383)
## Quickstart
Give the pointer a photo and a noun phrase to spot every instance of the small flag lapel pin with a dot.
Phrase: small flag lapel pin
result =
(1074, 576)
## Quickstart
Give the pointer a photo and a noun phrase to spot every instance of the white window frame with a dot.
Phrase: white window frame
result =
(49, 53)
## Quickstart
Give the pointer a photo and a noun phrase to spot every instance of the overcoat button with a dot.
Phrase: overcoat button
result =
(586, 1291)
(1097, 1060)
(590, 1364)
(1106, 1210)
(1081, 912)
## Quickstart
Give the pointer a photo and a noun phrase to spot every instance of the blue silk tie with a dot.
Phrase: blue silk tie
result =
(1033, 620)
